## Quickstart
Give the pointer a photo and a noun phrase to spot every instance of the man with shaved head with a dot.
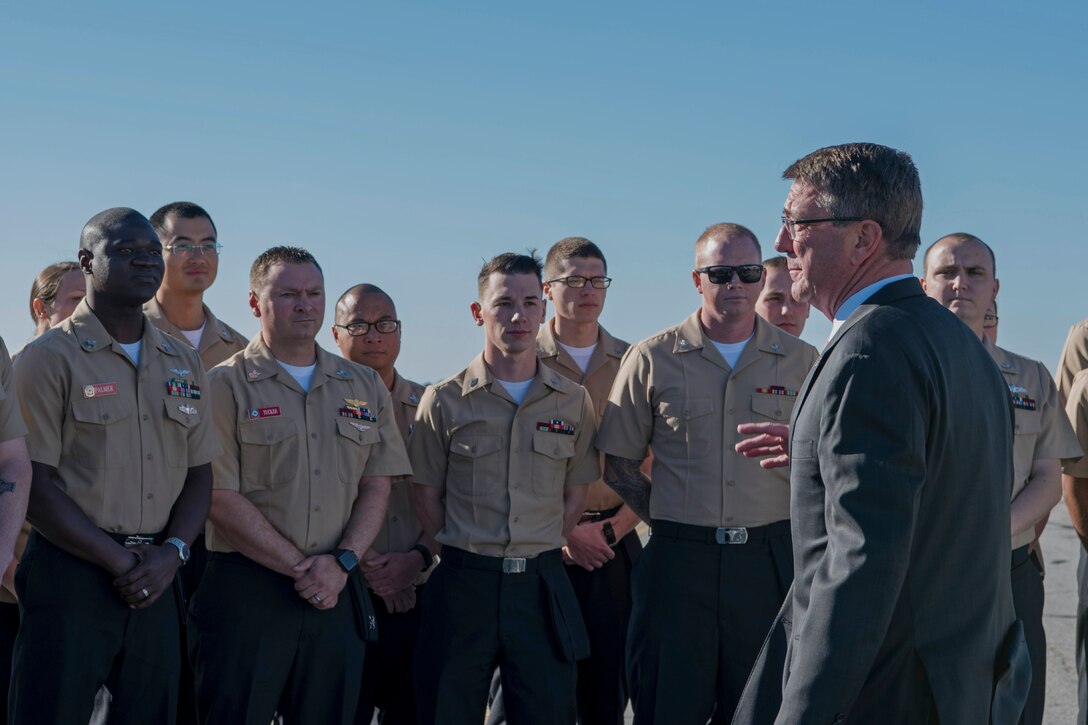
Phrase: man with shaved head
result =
(719, 563)
(959, 273)
(367, 331)
(121, 448)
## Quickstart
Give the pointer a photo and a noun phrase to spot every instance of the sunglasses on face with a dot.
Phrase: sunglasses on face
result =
(723, 273)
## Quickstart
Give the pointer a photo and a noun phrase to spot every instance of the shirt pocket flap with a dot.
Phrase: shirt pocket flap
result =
(364, 434)
(175, 412)
(1028, 422)
(265, 433)
(686, 409)
(474, 446)
(553, 445)
(778, 407)
(99, 412)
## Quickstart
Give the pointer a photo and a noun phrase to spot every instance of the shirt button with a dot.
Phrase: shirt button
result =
(313, 544)
(314, 436)
(149, 456)
(730, 483)
(150, 496)
(145, 416)
(728, 518)
(729, 410)
(105, 416)
(317, 508)
(317, 471)
(393, 519)
(516, 519)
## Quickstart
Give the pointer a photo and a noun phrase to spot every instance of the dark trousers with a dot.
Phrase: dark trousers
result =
(1082, 637)
(604, 596)
(387, 671)
(258, 649)
(189, 577)
(9, 627)
(77, 634)
(701, 612)
(1027, 596)
(474, 618)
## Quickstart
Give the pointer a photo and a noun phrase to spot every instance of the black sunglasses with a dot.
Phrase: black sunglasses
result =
(723, 273)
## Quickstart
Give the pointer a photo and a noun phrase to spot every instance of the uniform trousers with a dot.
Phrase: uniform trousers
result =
(387, 671)
(189, 576)
(9, 627)
(258, 649)
(604, 596)
(1027, 596)
(475, 617)
(77, 634)
(700, 615)
(1082, 637)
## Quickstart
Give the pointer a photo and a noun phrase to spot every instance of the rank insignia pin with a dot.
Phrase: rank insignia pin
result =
(187, 409)
(225, 335)
(1006, 365)
(89, 344)
(413, 398)
(473, 382)
(254, 374)
(180, 372)
(775, 347)
(683, 343)
(167, 347)
(342, 373)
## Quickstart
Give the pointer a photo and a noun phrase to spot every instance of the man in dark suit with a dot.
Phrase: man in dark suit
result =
(901, 454)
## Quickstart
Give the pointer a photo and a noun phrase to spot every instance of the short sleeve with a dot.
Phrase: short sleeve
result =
(627, 422)
(42, 381)
(585, 466)
(224, 425)
(388, 457)
(428, 446)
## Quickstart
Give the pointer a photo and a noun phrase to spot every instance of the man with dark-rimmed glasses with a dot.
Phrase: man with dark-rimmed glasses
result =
(719, 562)
(399, 561)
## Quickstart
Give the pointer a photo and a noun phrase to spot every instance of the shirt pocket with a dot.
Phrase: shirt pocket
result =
(176, 429)
(268, 453)
(683, 428)
(551, 456)
(476, 458)
(353, 446)
(778, 408)
(1028, 422)
(102, 434)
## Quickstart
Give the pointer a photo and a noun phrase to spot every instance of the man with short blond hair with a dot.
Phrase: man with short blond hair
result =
(776, 303)
(720, 522)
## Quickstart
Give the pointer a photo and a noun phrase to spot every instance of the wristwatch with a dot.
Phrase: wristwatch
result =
(346, 558)
(426, 554)
(181, 546)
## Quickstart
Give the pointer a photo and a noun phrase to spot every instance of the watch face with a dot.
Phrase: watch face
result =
(347, 559)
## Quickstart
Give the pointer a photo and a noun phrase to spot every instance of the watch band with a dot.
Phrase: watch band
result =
(428, 560)
(181, 546)
(346, 558)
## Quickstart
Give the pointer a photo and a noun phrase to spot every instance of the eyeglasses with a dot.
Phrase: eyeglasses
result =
(791, 224)
(358, 329)
(723, 273)
(989, 320)
(209, 249)
(577, 282)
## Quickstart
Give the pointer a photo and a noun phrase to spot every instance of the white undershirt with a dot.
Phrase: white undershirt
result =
(731, 350)
(194, 336)
(581, 355)
(304, 375)
(133, 350)
(517, 390)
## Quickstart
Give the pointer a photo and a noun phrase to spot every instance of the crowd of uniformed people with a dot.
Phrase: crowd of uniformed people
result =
(223, 530)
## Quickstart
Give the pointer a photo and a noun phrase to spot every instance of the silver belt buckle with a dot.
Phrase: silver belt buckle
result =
(137, 540)
(731, 536)
(513, 565)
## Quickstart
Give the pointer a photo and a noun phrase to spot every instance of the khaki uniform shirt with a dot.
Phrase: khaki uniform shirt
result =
(122, 438)
(504, 467)
(218, 341)
(675, 393)
(1041, 429)
(11, 426)
(1074, 358)
(401, 530)
(1076, 409)
(597, 380)
(298, 456)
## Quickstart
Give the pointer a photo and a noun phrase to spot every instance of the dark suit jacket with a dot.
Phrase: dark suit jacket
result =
(901, 455)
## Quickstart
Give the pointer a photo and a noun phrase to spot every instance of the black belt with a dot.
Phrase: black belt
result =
(719, 535)
(1020, 555)
(599, 515)
(501, 564)
(134, 539)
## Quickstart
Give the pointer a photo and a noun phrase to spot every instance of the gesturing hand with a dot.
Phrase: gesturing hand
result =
(769, 441)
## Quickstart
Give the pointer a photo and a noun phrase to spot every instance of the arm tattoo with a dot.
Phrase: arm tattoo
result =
(6, 486)
(623, 476)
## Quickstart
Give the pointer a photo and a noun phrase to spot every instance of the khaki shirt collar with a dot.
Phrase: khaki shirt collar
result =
(402, 391)
(261, 364)
(212, 327)
(547, 346)
(478, 377)
(691, 336)
(1005, 362)
(92, 336)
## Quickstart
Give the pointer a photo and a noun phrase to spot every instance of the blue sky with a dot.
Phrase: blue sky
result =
(404, 143)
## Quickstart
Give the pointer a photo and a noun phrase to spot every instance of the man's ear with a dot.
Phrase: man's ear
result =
(254, 304)
(869, 240)
(477, 313)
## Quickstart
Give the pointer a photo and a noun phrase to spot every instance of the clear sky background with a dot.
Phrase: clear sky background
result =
(405, 143)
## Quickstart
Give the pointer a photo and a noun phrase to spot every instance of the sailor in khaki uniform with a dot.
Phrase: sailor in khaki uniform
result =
(279, 620)
(121, 444)
(191, 255)
(502, 453)
(959, 273)
(368, 332)
(719, 561)
(191, 263)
